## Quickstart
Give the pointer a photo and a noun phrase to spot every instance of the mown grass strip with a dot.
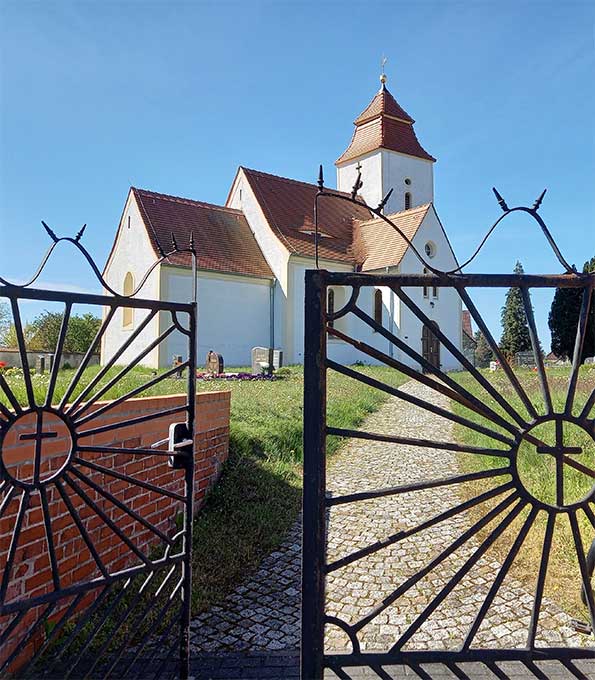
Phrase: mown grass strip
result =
(537, 474)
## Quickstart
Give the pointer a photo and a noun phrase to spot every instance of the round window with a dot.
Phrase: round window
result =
(430, 249)
(407, 181)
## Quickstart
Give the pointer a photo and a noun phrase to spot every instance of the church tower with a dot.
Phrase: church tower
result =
(386, 150)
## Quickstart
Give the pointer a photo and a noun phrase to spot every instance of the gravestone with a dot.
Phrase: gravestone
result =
(214, 363)
(40, 365)
(261, 358)
(526, 358)
(176, 361)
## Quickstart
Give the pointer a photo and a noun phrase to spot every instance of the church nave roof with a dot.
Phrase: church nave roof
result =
(222, 236)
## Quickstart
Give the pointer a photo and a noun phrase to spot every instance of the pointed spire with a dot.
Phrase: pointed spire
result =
(384, 124)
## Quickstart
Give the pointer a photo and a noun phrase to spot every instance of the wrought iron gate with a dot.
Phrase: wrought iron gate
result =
(493, 495)
(96, 555)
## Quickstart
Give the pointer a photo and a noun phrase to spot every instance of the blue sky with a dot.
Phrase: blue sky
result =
(96, 96)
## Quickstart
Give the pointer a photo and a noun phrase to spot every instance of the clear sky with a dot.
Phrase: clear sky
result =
(173, 96)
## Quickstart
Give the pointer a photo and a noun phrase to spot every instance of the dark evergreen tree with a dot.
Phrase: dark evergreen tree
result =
(515, 331)
(483, 351)
(563, 320)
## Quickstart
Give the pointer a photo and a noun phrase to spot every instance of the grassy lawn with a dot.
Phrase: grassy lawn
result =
(537, 473)
(259, 494)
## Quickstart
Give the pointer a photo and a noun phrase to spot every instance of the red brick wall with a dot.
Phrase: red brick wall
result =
(31, 575)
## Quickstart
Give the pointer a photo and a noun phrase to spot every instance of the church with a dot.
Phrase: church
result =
(253, 251)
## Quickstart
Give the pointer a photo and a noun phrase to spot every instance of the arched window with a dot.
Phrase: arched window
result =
(330, 306)
(378, 306)
(407, 200)
(128, 312)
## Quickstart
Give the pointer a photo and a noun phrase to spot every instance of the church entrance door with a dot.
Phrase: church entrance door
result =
(429, 344)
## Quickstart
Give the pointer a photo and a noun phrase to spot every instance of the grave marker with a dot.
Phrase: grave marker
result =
(262, 357)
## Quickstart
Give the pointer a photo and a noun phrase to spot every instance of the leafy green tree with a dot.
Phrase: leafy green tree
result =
(563, 320)
(81, 332)
(41, 334)
(44, 331)
(483, 351)
(515, 331)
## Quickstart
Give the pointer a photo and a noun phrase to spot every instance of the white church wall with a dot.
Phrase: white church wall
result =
(280, 320)
(371, 169)
(343, 352)
(396, 168)
(233, 314)
(132, 253)
(446, 308)
(337, 349)
(242, 198)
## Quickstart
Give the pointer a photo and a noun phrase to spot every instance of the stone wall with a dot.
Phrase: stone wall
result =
(11, 357)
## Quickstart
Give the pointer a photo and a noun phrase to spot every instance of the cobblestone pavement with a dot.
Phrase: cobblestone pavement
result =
(285, 666)
(262, 615)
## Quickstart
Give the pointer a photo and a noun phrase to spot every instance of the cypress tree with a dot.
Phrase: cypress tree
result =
(515, 331)
(563, 320)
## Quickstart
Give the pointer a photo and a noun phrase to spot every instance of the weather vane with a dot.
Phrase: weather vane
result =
(383, 74)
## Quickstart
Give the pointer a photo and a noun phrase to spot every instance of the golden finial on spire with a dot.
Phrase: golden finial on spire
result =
(383, 77)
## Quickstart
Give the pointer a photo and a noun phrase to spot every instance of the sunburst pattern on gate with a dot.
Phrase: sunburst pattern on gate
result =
(489, 512)
(95, 558)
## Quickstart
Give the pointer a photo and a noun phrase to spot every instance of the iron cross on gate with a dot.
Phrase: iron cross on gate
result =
(558, 451)
(38, 436)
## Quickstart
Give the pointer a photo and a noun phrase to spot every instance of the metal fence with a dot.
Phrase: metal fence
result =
(110, 589)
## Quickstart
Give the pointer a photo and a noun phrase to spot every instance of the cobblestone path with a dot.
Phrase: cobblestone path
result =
(262, 615)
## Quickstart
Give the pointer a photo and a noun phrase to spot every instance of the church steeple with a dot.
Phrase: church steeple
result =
(384, 124)
(390, 156)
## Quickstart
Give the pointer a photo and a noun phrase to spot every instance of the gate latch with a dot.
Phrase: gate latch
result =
(181, 444)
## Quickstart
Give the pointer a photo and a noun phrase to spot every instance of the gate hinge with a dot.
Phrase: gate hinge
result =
(180, 442)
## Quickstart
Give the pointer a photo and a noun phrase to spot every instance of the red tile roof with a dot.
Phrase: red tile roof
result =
(288, 206)
(223, 239)
(383, 103)
(384, 125)
(378, 245)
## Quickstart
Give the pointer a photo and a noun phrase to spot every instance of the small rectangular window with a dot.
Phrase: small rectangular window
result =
(378, 306)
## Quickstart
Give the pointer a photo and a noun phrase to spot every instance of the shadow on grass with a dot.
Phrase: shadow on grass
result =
(244, 518)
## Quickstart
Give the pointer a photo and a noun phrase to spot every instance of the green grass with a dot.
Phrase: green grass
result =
(258, 497)
(537, 473)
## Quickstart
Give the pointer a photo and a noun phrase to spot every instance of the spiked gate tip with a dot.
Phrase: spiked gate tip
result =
(50, 232)
(500, 200)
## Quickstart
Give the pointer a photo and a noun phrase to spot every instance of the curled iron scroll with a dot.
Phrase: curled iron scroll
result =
(377, 212)
(76, 242)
